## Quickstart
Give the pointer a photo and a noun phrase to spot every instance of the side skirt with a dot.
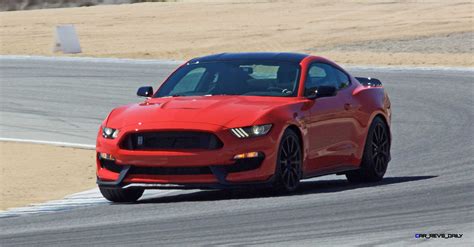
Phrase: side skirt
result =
(340, 170)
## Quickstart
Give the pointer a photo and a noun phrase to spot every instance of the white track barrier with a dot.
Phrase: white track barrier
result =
(66, 39)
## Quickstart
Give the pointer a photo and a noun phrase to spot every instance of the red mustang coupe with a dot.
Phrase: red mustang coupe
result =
(235, 120)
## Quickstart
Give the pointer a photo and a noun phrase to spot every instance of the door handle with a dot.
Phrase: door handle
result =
(347, 106)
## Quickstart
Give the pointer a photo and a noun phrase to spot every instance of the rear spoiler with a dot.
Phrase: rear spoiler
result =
(369, 82)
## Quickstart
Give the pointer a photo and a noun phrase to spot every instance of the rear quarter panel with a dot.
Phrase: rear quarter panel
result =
(372, 102)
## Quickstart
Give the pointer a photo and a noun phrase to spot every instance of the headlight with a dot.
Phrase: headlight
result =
(257, 130)
(109, 133)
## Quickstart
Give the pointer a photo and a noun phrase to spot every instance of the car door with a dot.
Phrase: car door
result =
(351, 131)
(328, 121)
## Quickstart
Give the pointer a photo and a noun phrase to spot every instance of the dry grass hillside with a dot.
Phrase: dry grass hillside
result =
(356, 32)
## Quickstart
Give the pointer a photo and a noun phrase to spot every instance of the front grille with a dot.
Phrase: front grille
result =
(171, 140)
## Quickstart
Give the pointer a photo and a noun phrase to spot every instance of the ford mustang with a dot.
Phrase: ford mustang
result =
(239, 120)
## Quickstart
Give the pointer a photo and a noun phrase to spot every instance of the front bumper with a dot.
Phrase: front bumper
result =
(188, 168)
(180, 177)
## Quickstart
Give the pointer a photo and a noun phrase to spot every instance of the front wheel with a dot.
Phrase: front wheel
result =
(288, 167)
(121, 195)
(376, 154)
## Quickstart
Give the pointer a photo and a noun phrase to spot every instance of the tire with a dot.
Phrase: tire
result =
(288, 165)
(376, 155)
(121, 195)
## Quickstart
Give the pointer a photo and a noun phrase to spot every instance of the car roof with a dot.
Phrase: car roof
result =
(270, 56)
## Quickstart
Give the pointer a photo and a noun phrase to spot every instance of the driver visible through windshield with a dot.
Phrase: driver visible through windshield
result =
(258, 78)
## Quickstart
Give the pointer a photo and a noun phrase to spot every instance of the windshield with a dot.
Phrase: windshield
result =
(261, 78)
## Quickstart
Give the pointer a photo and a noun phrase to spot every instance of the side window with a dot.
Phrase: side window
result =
(189, 82)
(319, 74)
(342, 79)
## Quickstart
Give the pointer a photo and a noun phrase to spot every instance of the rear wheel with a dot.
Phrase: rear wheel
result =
(376, 154)
(121, 195)
(288, 167)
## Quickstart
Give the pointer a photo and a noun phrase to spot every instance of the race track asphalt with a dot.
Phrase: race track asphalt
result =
(429, 186)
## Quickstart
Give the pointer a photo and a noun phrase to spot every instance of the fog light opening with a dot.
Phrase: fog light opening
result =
(106, 156)
(248, 155)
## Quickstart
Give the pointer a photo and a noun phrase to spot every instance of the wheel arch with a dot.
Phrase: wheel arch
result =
(384, 119)
(366, 126)
(387, 124)
(298, 132)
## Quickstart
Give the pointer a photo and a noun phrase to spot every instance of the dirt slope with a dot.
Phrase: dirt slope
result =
(35, 173)
(186, 29)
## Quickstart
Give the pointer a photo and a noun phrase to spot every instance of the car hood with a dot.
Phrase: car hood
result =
(227, 111)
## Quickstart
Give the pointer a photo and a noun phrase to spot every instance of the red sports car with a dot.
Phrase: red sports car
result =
(236, 120)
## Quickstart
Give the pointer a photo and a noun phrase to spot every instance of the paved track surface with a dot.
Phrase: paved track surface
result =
(429, 187)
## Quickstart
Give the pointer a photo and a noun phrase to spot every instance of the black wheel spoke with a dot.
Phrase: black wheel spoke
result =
(381, 165)
(294, 154)
(374, 154)
(380, 148)
(380, 131)
(288, 148)
(293, 171)
(290, 162)
(294, 162)
(291, 146)
(284, 152)
(288, 181)
(377, 164)
(384, 143)
(376, 135)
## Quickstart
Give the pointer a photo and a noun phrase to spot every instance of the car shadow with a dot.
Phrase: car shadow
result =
(306, 187)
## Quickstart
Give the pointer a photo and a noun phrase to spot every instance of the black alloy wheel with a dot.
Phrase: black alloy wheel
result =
(380, 149)
(376, 154)
(289, 162)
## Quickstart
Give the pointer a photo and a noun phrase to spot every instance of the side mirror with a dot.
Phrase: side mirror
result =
(324, 91)
(145, 92)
